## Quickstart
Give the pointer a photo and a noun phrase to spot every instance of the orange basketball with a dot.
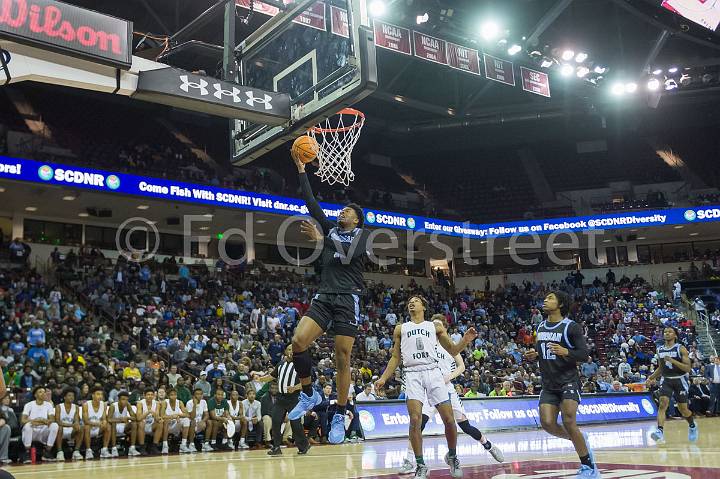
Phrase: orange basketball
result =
(305, 149)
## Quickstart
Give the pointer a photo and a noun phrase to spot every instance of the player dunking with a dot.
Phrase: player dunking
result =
(451, 368)
(674, 367)
(560, 345)
(416, 342)
(336, 307)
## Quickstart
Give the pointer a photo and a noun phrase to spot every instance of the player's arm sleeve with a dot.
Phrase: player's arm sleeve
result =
(313, 206)
(580, 351)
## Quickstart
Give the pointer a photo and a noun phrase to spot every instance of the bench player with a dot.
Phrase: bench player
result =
(68, 418)
(95, 420)
(121, 420)
(415, 342)
(451, 367)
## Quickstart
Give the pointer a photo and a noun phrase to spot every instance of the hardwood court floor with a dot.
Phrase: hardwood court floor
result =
(622, 450)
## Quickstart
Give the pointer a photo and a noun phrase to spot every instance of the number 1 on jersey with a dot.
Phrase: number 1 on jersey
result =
(546, 353)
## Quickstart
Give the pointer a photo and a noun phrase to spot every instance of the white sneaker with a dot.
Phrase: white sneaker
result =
(407, 467)
(496, 453)
(184, 449)
(77, 456)
(89, 455)
(114, 452)
(242, 445)
(60, 456)
(207, 447)
(165, 449)
(191, 447)
(105, 453)
(133, 452)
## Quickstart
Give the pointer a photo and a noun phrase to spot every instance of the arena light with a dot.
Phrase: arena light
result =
(515, 49)
(599, 70)
(83, 215)
(566, 70)
(546, 63)
(657, 71)
(31, 208)
(670, 84)
(617, 88)
(582, 72)
(489, 29)
(631, 87)
(653, 84)
(377, 8)
(673, 70)
(68, 198)
(568, 55)
(420, 19)
(581, 57)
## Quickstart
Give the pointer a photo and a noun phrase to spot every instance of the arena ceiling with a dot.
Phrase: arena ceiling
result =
(618, 34)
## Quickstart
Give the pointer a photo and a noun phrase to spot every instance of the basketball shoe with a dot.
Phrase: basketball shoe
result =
(304, 405)
(337, 429)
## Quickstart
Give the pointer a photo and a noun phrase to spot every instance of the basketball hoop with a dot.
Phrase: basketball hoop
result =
(336, 138)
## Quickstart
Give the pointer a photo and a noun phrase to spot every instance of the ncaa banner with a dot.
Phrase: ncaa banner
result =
(392, 37)
(388, 419)
(161, 189)
(430, 48)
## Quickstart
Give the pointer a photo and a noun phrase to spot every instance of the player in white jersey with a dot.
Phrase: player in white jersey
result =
(121, 422)
(176, 421)
(149, 422)
(197, 409)
(94, 420)
(414, 343)
(451, 367)
(67, 415)
(38, 424)
(237, 416)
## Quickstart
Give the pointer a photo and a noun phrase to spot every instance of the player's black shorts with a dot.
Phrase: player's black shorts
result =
(677, 387)
(556, 396)
(337, 314)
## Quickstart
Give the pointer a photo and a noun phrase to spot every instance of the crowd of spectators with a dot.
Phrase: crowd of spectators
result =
(149, 326)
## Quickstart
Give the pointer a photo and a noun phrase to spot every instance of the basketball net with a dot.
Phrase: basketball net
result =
(336, 138)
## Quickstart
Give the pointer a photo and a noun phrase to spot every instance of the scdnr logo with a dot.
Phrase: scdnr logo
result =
(690, 215)
(46, 173)
(112, 182)
(370, 217)
(411, 223)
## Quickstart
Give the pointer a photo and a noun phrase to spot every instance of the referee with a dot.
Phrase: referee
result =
(288, 393)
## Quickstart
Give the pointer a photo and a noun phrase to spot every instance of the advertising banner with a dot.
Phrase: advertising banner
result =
(134, 185)
(68, 29)
(386, 419)
(181, 89)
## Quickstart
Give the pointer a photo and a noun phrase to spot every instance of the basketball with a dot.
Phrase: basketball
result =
(305, 149)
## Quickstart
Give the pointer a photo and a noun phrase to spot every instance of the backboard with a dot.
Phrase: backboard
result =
(321, 53)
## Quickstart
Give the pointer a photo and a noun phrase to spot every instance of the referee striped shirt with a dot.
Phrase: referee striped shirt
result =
(286, 376)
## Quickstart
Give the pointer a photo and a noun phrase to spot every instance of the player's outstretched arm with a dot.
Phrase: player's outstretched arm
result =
(459, 369)
(394, 360)
(313, 206)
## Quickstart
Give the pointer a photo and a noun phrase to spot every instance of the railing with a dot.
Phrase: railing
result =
(702, 319)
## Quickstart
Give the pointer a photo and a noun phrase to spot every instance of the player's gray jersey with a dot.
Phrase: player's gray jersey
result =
(669, 370)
